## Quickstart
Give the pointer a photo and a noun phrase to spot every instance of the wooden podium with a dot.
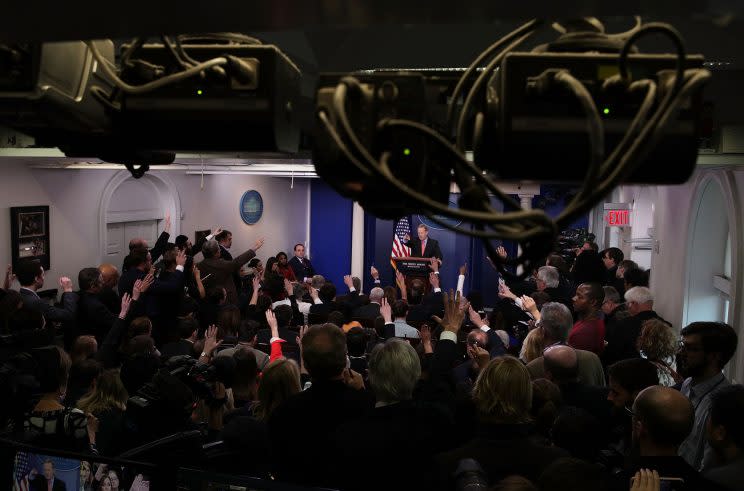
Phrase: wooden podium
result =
(414, 268)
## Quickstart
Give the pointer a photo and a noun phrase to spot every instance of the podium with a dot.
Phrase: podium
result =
(414, 268)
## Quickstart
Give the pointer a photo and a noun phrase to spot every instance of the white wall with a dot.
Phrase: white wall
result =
(74, 197)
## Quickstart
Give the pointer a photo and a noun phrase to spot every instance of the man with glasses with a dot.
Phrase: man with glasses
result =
(706, 348)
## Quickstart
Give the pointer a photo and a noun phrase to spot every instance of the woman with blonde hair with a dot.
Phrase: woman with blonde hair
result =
(279, 381)
(503, 399)
(658, 344)
(108, 402)
(532, 346)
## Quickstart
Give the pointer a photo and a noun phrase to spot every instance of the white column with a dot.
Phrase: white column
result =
(357, 242)
(525, 201)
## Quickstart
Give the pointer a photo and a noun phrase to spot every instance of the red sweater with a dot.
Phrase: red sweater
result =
(588, 335)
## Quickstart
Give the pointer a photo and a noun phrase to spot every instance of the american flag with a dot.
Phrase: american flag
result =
(20, 474)
(402, 227)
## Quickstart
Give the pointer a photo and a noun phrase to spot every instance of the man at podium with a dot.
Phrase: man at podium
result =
(423, 246)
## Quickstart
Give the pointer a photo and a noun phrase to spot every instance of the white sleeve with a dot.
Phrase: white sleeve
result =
(460, 283)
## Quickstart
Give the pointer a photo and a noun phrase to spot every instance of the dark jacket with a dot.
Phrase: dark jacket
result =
(622, 336)
(177, 348)
(93, 317)
(369, 311)
(432, 248)
(222, 273)
(64, 313)
(302, 269)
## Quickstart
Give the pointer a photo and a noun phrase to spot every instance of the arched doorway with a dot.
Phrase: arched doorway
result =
(135, 208)
(712, 265)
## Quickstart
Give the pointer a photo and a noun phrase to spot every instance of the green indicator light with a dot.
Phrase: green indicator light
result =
(406, 152)
(606, 110)
(199, 92)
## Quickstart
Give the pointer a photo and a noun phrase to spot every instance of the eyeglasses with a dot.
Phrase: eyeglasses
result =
(693, 348)
(629, 410)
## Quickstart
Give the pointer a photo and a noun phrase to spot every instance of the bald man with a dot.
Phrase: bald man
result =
(562, 368)
(662, 419)
(108, 294)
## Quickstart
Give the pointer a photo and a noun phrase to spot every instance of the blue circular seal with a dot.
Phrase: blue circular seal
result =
(453, 222)
(251, 207)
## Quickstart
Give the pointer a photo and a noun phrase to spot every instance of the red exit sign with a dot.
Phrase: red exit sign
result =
(617, 218)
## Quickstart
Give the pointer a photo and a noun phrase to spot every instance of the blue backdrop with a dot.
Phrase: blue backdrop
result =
(330, 233)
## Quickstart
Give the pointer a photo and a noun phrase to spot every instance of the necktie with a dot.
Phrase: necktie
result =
(423, 247)
(49, 485)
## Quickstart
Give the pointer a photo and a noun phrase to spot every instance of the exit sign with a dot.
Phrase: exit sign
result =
(617, 214)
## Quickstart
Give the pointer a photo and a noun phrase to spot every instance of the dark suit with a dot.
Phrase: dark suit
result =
(431, 304)
(111, 300)
(157, 250)
(432, 248)
(302, 269)
(65, 313)
(326, 405)
(264, 336)
(369, 311)
(622, 336)
(225, 254)
(39, 483)
(222, 272)
(327, 308)
(93, 316)
(177, 348)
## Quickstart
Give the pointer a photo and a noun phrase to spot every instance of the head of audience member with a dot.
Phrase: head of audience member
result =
(706, 348)
(272, 266)
(256, 265)
(417, 292)
(588, 299)
(639, 299)
(625, 265)
(558, 263)
(357, 282)
(298, 290)
(394, 369)
(83, 347)
(54, 371)
(611, 300)
(30, 274)
(299, 251)
(228, 322)
(247, 335)
(336, 318)
(245, 380)
(317, 281)
(140, 326)
(657, 341)
(224, 239)
(547, 277)
(532, 346)
(216, 295)
(184, 244)
(503, 392)
(612, 257)
(561, 364)
(635, 277)
(589, 245)
(356, 342)
(142, 345)
(280, 380)
(572, 474)
(187, 329)
(627, 379)
(400, 310)
(376, 295)
(109, 394)
(282, 258)
(283, 315)
(546, 402)
(211, 249)
(391, 294)
(324, 351)
(327, 293)
(423, 232)
(138, 243)
(477, 337)
(589, 268)
(141, 259)
(662, 419)
(273, 284)
(579, 432)
(83, 377)
(169, 260)
(109, 275)
(555, 321)
(725, 428)
(136, 371)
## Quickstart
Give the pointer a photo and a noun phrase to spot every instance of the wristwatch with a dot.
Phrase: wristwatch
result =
(204, 353)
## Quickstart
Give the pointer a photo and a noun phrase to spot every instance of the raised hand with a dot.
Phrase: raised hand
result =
(273, 324)
(385, 311)
(646, 480)
(210, 340)
(256, 283)
(501, 252)
(474, 316)
(215, 231)
(126, 301)
(181, 258)
(400, 280)
(167, 223)
(464, 269)
(505, 292)
(9, 277)
(434, 280)
(313, 292)
(353, 379)
(434, 264)
(258, 244)
(453, 315)
(348, 281)
(528, 304)
(288, 287)
(425, 335)
(197, 273)
(66, 284)
(374, 273)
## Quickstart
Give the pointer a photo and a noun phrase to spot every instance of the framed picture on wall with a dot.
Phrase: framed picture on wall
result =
(29, 234)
